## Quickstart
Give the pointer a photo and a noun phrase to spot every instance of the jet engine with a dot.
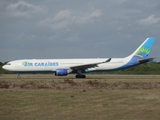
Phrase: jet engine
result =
(62, 72)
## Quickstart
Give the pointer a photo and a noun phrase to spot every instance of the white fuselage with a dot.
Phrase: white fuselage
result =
(51, 65)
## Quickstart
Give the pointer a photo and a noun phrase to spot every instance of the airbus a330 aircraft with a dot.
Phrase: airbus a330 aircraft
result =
(63, 67)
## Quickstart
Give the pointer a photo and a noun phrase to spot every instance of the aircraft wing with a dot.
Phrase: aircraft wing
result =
(85, 66)
(146, 60)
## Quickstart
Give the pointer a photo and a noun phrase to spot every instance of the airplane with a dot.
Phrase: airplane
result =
(63, 67)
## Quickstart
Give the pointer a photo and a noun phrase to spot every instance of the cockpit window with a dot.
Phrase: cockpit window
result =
(8, 63)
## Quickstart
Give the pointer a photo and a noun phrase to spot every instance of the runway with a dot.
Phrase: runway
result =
(98, 77)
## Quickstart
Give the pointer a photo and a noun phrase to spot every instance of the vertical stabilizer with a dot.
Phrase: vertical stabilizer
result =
(140, 55)
(144, 49)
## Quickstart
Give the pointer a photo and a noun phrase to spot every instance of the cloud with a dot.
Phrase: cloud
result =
(65, 14)
(89, 17)
(66, 18)
(60, 21)
(148, 21)
(48, 26)
(24, 9)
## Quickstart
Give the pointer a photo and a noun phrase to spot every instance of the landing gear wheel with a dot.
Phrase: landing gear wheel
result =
(80, 76)
(83, 76)
(77, 76)
(18, 76)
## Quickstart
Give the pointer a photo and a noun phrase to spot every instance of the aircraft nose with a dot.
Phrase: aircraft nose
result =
(8, 67)
(4, 67)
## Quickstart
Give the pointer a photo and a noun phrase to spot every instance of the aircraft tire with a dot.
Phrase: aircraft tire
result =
(18, 76)
(80, 76)
(83, 76)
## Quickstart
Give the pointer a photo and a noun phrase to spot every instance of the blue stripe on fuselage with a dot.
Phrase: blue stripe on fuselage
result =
(131, 63)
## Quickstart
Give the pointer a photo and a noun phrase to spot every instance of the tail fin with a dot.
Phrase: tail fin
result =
(144, 49)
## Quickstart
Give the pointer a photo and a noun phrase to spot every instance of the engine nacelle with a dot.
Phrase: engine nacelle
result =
(61, 72)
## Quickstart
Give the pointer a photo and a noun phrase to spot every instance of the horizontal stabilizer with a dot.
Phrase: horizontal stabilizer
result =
(146, 60)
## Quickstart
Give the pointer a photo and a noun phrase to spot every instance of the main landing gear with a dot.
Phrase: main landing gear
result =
(80, 76)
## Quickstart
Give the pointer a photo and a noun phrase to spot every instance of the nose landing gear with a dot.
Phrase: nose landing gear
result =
(18, 75)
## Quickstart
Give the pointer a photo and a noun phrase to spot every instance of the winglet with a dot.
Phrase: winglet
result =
(108, 60)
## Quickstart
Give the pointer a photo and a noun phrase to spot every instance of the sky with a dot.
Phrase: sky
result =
(53, 29)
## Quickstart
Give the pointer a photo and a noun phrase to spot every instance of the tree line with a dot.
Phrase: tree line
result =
(147, 68)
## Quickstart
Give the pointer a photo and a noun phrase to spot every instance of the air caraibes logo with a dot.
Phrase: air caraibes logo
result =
(142, 52)
(25, 63)
(39, 64)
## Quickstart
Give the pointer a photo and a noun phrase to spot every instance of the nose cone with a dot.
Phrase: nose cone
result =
(7, 67)
(4, 67)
